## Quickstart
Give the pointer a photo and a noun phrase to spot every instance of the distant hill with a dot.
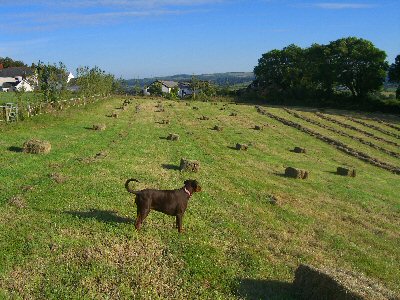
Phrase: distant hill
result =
(229, 78)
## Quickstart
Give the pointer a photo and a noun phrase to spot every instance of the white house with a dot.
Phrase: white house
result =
(17, 86)
(12, 77)
(184, 88)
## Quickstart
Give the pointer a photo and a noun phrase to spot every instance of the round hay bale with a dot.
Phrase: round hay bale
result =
(258, 127)
(296, 173)
(189, 165)
(346, 172)
(165, 121)
(243, 147)
(204, 118)
(173, 137)
(99, 127)
(195, 108)
(114, 115)
(36, 147)
(233, 114)
(218, 128)
(299, 150)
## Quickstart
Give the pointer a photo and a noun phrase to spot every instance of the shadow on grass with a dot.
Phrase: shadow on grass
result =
(15, 149)
(232, 148)
(253, 289)
(170, 167)
(107, 216)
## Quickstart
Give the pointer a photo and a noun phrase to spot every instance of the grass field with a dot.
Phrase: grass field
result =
(76, 239)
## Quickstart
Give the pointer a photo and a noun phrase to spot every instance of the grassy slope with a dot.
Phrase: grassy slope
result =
(76, 239)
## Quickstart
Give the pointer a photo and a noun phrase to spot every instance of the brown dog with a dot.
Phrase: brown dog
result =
(170, 202)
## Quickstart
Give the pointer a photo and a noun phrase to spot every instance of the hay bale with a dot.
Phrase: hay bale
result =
(299, 150)
(296, 173)
(165, 122)
(204, 118)
(189, 165)
(114, 115)
(173, 137)
(195, 108)
(36, 146)
(218, 128)
(258, 127)
(99, 127)
(233, 114)
(346, 172)
(243, 147)
(322, 283)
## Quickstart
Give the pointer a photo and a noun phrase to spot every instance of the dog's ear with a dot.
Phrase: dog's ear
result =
(196, 187)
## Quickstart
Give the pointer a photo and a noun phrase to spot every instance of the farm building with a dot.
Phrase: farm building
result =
(184, 88)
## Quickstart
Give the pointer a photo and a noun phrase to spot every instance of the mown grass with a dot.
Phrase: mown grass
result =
(76, 239)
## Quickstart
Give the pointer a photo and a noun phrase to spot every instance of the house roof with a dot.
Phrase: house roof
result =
(16, 71)
(168, 83)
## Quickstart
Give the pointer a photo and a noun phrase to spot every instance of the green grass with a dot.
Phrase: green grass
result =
(76, 240)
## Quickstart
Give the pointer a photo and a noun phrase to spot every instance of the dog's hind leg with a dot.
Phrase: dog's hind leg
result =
(141, 215)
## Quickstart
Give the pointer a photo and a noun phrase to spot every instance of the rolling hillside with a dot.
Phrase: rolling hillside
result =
(67, 222)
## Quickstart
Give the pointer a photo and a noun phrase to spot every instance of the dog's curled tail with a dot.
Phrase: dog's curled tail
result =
(129, 189)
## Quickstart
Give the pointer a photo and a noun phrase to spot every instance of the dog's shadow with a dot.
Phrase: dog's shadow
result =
(107, 216)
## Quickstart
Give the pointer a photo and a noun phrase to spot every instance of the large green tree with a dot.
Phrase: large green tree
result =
(394, 74)
(358, 65)
(281, 69)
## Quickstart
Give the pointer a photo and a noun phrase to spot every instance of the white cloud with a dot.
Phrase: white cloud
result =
(338, 5)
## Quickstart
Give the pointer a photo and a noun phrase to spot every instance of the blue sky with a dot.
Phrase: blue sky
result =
(145, 38)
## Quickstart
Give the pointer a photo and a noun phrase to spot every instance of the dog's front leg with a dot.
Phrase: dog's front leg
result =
(179, 222)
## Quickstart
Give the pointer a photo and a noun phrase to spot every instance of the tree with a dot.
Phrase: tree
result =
(51, 80)
(8, 62)
(358, 65)
(155, 89)
(319, 70)
(95, 82)
(282, 70)
(394, 74)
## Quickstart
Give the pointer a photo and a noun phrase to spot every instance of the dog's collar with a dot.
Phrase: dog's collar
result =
(187, 192)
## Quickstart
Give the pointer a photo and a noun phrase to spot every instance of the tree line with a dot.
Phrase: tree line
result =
(50, 82)
(348, 68)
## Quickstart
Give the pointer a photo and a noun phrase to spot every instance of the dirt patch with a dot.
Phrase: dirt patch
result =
(36, 147)
(17, 201)
(58, 178)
